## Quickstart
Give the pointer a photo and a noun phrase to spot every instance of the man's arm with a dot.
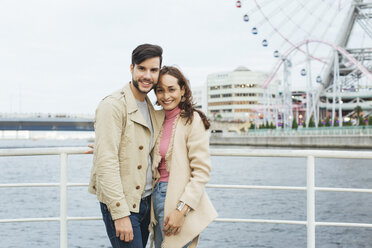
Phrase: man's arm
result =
(109, 120)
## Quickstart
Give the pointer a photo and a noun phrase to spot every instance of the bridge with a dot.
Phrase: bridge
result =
(46, 123)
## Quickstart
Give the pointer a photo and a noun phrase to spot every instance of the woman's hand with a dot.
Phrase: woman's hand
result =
(173, 223)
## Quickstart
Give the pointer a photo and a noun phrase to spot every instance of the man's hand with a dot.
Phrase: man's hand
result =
(124, 229)
(173, 223)
(90, 151)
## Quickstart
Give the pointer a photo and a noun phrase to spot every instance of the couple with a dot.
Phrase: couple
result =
(139, 151)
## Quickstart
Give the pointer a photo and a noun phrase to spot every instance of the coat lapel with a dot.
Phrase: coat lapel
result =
(133, 112)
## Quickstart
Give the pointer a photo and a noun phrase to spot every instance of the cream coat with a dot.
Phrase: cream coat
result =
(121, 152)
(188, 163)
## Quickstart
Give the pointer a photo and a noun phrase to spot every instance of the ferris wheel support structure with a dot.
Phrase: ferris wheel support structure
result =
(355, 14)
(287, 96)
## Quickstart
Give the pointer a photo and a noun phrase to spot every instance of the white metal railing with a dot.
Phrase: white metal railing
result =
(310, 187)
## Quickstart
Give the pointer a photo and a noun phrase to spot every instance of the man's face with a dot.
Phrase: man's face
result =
(145, 75)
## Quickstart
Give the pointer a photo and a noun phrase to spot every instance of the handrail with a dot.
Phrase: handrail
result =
(310, 188)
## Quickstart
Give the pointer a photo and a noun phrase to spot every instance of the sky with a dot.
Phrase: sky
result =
(64, 56)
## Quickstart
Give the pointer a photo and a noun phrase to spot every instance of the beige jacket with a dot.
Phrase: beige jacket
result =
(121, 152)
(188, 163)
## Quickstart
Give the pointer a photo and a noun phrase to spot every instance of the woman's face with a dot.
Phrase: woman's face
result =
(168, 92)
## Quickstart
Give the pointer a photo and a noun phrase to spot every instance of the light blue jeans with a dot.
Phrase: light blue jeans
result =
(158, 197)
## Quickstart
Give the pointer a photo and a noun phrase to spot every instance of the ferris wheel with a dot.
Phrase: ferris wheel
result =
(327, 43)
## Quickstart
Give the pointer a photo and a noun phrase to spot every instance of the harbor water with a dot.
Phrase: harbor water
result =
(230, 203)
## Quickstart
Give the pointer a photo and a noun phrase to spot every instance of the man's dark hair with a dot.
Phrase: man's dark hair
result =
(146, 51)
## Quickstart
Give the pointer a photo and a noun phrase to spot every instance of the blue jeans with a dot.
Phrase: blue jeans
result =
(140, 223)
(158, 197)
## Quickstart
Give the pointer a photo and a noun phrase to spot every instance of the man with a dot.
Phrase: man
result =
(126, 125)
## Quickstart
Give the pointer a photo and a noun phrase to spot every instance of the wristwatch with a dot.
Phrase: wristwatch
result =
(180, 206)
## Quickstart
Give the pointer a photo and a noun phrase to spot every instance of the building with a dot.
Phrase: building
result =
(238, 95)
(199, 97)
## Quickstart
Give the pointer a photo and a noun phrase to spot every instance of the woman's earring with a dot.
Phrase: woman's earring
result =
(183, 99)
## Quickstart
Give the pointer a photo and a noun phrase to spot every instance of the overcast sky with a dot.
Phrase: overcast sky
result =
(64, 56)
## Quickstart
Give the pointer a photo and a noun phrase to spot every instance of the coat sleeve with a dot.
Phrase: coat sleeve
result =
(199, 160)
(109, 120)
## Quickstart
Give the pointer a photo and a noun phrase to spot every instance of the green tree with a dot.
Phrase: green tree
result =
(327, 124)
(311, 122)
(358, 109)
(370, 120)
(294, 124)
(320, 124)
(361, 121)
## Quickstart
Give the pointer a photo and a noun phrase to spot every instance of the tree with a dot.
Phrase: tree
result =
(294, 124)
(358, 109)
(370, 120)
(361, 121)
(320, 124)
(327, 124)
(311, 122)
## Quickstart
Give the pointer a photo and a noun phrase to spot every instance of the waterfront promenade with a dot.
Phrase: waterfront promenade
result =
(336, 137)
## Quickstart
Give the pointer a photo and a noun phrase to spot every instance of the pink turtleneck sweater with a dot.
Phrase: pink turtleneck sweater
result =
(170, 117)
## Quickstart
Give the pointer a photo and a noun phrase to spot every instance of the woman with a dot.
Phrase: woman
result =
(181, 166)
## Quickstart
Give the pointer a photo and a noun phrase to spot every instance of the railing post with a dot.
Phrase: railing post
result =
(63, 201)
(310, 202)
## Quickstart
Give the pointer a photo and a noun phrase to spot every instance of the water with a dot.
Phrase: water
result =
(234, 203)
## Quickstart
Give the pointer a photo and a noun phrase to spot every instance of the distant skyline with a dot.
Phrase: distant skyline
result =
(64, 56)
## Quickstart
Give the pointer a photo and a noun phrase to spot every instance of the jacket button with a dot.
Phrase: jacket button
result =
(94, 187)
(137, 187)
(118, 204)
(140, 147)
(139, 167)
(134, 205)
(122, 92)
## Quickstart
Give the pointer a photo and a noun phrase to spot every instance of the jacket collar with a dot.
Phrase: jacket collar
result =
(133, 111)
(157, 117)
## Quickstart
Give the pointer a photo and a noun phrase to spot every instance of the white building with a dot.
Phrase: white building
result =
(239, 95)
(199, 97)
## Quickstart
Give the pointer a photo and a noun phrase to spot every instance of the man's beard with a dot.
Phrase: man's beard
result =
(135, 84)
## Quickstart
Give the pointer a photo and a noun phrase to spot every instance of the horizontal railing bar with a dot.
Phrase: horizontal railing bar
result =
(292, 222)
(10, 185)
(30, 220)
(214, 152)
(42, 151)
(228, 220)
(77, 184)
(14, 185)
(292, 153)
(343, 189)
(253, 187)
(221, 186)
(343, 224)
(84, 218)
